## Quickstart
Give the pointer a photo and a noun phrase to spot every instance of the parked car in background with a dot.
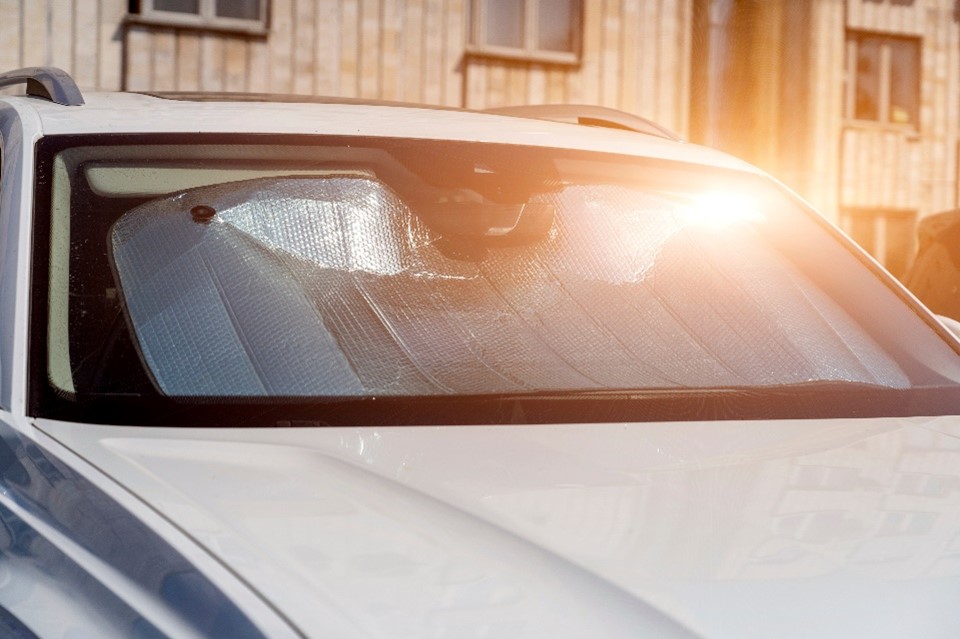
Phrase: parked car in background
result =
(290, 367)
(934, 276)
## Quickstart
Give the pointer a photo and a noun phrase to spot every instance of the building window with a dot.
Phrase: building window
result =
(887, 234)
(546, 30)
(883, 79)
(247, 16)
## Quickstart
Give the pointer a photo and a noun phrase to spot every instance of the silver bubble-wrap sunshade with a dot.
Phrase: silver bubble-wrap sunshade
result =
(332, 286)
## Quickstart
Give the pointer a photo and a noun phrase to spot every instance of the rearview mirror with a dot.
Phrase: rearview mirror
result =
(521, 223)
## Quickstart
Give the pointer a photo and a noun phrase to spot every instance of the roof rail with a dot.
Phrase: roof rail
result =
(589, 115)
(51, 83)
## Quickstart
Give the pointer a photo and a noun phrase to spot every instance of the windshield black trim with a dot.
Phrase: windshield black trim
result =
(796, 402)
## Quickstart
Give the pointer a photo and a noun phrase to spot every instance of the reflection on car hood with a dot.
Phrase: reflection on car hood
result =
(753, 529)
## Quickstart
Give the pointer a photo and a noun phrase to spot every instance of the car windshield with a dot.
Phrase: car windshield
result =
(316, 272)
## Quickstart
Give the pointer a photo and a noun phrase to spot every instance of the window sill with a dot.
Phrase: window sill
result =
(174, 21)
(910, 131)
(509, 54)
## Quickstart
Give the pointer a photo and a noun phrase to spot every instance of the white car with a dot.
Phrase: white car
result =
(282, 367)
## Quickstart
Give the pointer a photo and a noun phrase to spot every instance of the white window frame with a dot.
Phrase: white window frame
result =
(529, 51)
(205, 19)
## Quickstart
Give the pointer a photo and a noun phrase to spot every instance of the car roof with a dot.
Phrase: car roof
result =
(125, 113)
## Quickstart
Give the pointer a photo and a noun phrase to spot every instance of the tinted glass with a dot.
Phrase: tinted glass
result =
(904, 80)
(555, 25)
(867, 96)
(242, 9)
(178, 6)
(504, 23)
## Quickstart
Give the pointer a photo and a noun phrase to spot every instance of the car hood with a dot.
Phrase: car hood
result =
(832, 528)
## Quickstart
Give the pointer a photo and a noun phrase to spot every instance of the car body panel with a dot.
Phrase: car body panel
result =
(19, 132)
(123, 113)
(734, 529)
(73, 562)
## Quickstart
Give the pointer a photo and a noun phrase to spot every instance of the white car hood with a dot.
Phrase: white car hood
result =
(835, 528)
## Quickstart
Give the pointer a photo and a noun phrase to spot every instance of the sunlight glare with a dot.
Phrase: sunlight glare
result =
(722, 209)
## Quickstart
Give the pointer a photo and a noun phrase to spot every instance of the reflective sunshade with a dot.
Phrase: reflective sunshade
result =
(333, 285)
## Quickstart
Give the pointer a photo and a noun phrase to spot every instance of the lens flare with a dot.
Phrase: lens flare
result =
(723, 209)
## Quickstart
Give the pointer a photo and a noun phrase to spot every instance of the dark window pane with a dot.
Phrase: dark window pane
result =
(178, 6)
(904, 81)
(505, 23)
(885, 234)
(556, 25)
(243, 9)
(900, 232)
(863, 229)
(867, 79)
